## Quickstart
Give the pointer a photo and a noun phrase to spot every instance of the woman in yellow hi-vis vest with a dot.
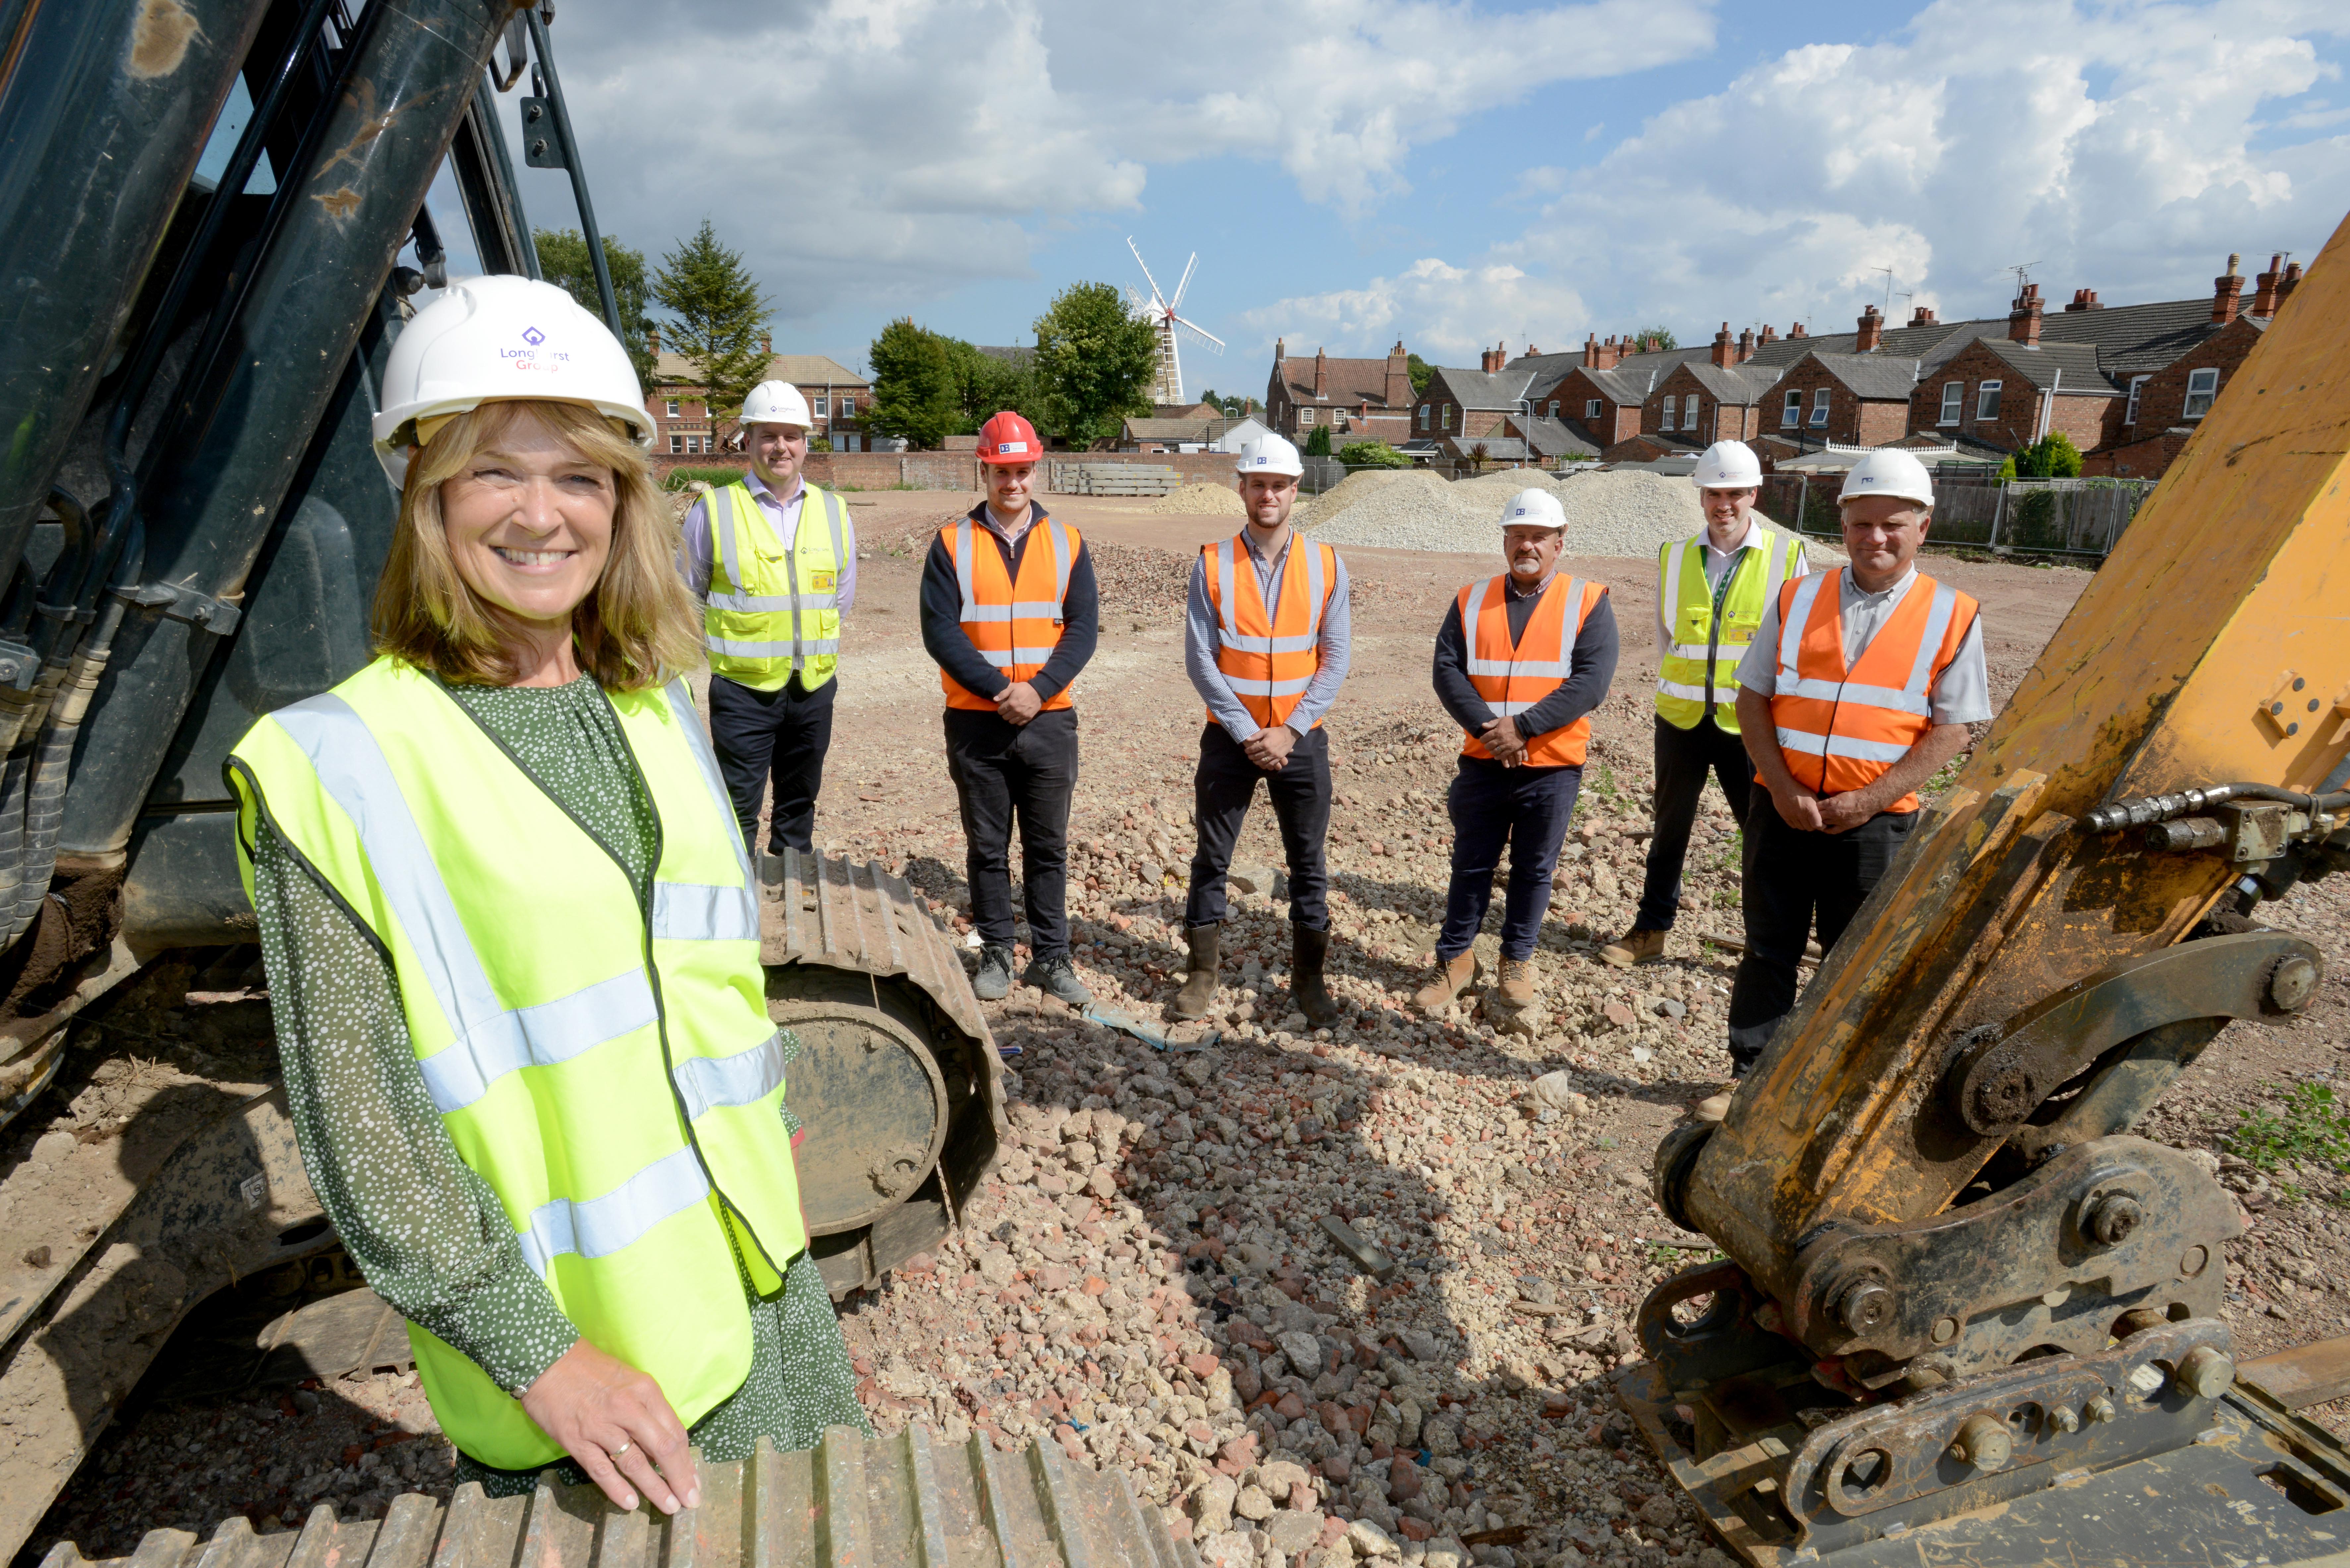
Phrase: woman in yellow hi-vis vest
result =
(513, 944)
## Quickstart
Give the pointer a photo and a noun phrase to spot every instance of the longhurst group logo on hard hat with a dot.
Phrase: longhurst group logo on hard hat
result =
(1004, 447)
(533, 336)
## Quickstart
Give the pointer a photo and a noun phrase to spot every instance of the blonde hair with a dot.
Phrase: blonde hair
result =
(637, 628)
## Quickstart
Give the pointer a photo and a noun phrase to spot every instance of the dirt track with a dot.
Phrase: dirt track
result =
(1182, 1192)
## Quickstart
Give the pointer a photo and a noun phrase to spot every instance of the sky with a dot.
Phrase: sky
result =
(1454, 175)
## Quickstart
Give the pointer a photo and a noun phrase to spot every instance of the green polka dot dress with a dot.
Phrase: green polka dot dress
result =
(426, 1230)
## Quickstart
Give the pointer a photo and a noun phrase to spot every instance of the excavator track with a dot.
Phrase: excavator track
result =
(905, 1501)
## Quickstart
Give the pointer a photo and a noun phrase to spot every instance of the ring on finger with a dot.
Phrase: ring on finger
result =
(625, 1446)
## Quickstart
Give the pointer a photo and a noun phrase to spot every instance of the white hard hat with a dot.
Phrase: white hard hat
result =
(1535, 508)
(499, 338)
(776, 403)
(1728, 465)
(1269, 453)
(1889, 471)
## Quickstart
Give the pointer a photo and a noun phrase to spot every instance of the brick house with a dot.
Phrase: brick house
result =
(1355, 400)
(1599, 393)
(837, 399)
(1859, 400)
(1468, 404)
(1717, 397)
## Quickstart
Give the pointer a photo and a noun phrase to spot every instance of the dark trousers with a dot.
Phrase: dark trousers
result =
(1492, 805)
(1791, 878)
(1223, 786)
(1005, 772)
(1683, 759)
(781, 734)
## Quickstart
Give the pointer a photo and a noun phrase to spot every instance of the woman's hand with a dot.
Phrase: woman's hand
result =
(617, 1424)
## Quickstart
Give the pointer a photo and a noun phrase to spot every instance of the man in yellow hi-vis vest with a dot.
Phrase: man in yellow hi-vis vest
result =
(1712, 592)
(774, 561)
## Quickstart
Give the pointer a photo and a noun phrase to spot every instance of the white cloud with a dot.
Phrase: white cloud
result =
(2112, 144)
(885, 151)
(1445, 313)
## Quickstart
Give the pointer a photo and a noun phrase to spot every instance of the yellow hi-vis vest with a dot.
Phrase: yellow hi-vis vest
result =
(772, 609)
(1696, 656)
(607, 1066)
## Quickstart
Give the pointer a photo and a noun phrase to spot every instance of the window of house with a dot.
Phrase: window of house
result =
(2138, 385)
(693, 443)
(847, 406)
(823, 408)
(2202, 385)
(1819, 408)
(1553, 409)
(672, 408)
(1338, 419)
(676, 442)
(1665, 416)
(1591, 408)
(1447, 416)
(1423, 416)
(1987, 400)
(1689, 414)
(1792, 414)
(1954, 401)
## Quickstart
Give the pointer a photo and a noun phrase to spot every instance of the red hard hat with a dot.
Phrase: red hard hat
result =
(1007, 439)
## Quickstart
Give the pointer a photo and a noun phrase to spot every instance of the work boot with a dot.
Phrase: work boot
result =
(1448, 982)
(1057, 978)
(1517, 987)
(1308, 949)
(1638, 945)
(993, 981)
(1199, 980)
(1714, 1106)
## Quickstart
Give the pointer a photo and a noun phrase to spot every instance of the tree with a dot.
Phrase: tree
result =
(914, 385)
(1479, 455)
(1653, 339)
(717, 315)
(563, 261)
(1419, 371)
(985, 386)
(1095, 362)
(2052, 456)
(1371, 454)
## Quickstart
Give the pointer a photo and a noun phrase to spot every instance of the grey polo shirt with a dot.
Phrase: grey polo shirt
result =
(1960, 694)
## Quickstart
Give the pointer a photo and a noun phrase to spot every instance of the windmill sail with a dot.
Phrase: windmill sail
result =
(1159, 310)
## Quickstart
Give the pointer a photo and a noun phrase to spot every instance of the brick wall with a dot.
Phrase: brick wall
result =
(1617, 422)
(2017, 422)
(2162, 404)
(1881, 421)
(2089, 422)
(2146, 458)
(1844, 422)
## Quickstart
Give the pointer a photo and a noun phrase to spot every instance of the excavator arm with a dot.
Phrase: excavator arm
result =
(1954, 1278)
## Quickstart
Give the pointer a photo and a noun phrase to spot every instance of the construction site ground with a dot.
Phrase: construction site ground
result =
(1145, 1279)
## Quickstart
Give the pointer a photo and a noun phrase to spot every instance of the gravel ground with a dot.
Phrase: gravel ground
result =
(1144, 1280)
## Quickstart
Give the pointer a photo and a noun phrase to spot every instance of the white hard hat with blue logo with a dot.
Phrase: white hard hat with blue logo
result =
(1535, 508)
(1269, 453)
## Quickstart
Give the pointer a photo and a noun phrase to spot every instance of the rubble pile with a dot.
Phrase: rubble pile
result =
(1198, 498)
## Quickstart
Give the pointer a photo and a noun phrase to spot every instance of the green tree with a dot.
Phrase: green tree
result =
(1318, 441)
(1371, 454)
(717, 315)
(1653, 339)
(1094, 362)
(914, 385)
(2052, 456)
(985, 386)
(1419, 371)
(563, 261)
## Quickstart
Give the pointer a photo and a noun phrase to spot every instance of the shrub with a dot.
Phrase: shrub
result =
(1372, 455)
(679, 478)
(1317, 445)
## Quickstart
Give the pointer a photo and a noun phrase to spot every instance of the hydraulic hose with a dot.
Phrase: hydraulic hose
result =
(2191, 801)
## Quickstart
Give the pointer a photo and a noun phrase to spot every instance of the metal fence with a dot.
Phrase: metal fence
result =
(2035, 516)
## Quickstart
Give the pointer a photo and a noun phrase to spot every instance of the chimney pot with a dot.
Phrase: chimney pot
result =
(2023, 318)
(1745, 344)
(1795, 330)
(767, 344)
(1922, 315)
(1871, 336)
(2083, 299)
(652, 338)
(1321, 373)
(2264, 295)
(2227, 291)
(1725, 354)
(1280, 351)
(2292, 281)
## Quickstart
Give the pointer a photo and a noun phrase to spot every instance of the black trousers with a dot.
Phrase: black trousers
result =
(1684, 757)
(1224, 785)
(1494, 806)
(781, 734)
(1791, 878)
(1003, 773)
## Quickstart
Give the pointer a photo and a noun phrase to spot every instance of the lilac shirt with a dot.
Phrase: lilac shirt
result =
(694, 551)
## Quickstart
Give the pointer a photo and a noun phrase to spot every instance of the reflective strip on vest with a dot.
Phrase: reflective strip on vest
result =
(599, 1227)
(1275, 665)
(1693, 676)
(1857, 728)
(995, 629)
(1557, 669)
(729, 508)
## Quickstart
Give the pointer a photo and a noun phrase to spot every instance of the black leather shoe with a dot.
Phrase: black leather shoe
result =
(1054, 976)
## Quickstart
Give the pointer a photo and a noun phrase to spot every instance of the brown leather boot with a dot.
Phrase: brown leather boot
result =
(1637, 945)
(1448, 982)
(1308, 949)
(1517, 987)
(1199, 984)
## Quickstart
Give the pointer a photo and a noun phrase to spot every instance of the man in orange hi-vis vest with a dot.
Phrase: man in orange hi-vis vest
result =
(1266, 640)
(1521, 660)
(1011, 614)
(1858, 685)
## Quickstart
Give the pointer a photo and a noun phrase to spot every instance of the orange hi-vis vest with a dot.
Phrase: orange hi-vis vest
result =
(1269, 660)
(1842, 726)
(1513, 676)
(1014, 624)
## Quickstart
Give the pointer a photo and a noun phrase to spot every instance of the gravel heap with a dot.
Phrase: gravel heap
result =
(1200, 498)
(1623, 514)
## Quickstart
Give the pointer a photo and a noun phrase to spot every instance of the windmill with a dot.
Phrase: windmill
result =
(1167, 386)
